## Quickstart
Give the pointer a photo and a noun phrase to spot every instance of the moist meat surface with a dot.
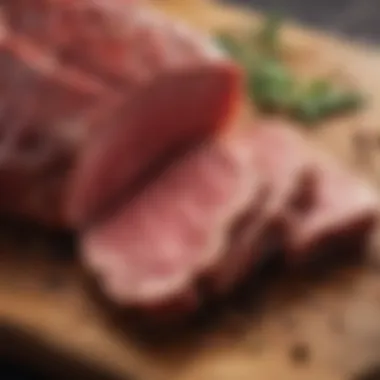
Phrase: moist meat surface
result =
(158, 245)
(80, 46)
(213, 216)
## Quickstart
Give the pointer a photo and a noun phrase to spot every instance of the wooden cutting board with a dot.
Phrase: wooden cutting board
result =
(300, 329)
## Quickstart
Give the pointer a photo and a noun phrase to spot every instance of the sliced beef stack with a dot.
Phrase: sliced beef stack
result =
(213, 214)
(114, 123)
(79, 77)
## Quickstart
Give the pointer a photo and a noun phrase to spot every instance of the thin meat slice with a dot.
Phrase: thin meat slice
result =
(156, 247)
(310, 205)
(342, 215)
(46, 112)
(330, 206)
(279, 161)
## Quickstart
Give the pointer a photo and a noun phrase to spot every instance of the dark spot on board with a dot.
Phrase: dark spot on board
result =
(372, 373)
(300, 353)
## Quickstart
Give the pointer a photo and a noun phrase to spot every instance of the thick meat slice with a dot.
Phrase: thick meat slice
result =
(161, 120)
(156, 247)
(46, 113)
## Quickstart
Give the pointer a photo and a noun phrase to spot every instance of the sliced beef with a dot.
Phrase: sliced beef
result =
(156, 248)
(341, 214)
(329, 205)
(212, 217)
(174, 89)
(279, 161)
(159, 122)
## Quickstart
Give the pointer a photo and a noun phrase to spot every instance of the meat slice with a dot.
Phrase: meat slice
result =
(279, 161)
(329, 205)
(156, 247)
(46, 112)
(160, 121)
(341, 214)
(216, 214)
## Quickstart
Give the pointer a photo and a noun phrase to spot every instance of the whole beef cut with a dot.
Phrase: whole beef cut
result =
(91, 88)
(203, 224)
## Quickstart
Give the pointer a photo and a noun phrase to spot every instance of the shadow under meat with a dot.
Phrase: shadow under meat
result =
(270, 277)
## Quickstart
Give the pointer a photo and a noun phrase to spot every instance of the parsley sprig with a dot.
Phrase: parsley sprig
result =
(273, 87)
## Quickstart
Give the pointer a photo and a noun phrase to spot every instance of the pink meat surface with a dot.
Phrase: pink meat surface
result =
(157, 246)
(329, 204)
(215, 214)
(160, 121)
(342, 207)
(162, 71)
(46, 114)
(283, 167)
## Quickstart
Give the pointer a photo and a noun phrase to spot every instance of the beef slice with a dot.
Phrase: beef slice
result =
(156, 247)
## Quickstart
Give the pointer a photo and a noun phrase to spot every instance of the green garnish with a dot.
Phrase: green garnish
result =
(320, 99)
(273, 87)
(270, 84)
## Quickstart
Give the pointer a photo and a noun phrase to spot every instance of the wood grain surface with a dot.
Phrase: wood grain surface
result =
(302, 326)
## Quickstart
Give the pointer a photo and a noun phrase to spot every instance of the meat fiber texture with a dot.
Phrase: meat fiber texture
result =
(154, 247)
(108, 88)
(203, 225)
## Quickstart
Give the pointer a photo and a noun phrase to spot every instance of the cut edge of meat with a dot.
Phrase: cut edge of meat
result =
(121, 156)
(358, 218)
(185, 282)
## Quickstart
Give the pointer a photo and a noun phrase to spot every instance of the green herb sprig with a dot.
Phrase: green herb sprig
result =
(272, 86)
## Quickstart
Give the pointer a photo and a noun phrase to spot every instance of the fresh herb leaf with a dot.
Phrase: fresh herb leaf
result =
(272, 86)
(321, 99)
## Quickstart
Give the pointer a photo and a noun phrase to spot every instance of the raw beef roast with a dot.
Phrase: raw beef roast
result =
(114, 86)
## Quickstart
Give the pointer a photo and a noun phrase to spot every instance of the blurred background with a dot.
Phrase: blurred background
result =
(355, 18)
(358, 19)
